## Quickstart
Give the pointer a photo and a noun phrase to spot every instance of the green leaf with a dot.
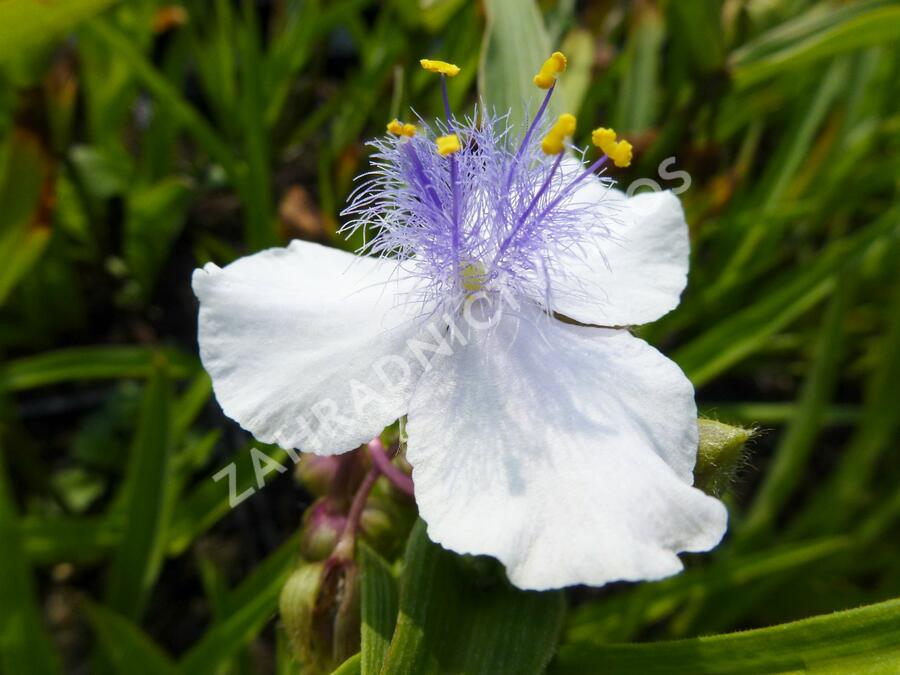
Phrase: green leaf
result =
(24, 219)
(125, 645)
(857, 641)
(637, 104)
(379, 609)
(749, 328)
(59, 539)
(351, 666)
(620, 617)
(841, 32)
(156, 214)
(92, 363)
(789, 465)
(254, 602)
(25, 646)
(515, 46)
(211, 499)
(166, 94)
(26, 25)
(453, 620)
(144, 497)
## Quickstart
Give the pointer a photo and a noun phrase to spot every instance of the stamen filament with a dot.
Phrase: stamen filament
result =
(527, 138)
(454, 176)
(571, 186)
(520, 222)
(420, 174)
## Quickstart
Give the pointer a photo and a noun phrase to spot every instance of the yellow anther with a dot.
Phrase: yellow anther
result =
(447, 145)
(621, 156)
(553, 141)
(473, 276)
(556, 64)
(441, 67)
(399, 129)
(603, 137)
(619, 152)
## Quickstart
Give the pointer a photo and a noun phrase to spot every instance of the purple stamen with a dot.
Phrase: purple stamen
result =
(420, 175)
(528, 134)
(527, 212)
(442, 213)
(454, 177)
(571, 186)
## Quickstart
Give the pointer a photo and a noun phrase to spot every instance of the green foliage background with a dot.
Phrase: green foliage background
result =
(139, 140)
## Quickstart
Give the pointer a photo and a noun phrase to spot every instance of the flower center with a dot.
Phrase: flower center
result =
(474, 276)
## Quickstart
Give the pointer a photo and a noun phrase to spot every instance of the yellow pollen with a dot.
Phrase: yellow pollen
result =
(620, 152)
(553, 141)
(447, 145)
(473, 276)
(399, 129)
(442, 67)
(556, 64)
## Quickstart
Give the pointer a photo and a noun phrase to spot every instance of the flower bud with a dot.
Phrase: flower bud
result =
(387, 520)
(323, 524)
(319, 607)
(316, 473)
(719, 455)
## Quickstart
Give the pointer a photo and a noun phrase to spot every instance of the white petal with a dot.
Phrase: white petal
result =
(293, 337)
(563, 451)
(633, 264)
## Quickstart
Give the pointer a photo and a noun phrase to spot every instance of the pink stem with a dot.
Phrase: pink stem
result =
(346, 545)
(397, 478)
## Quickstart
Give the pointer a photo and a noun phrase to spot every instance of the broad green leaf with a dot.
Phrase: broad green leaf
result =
(144, 497)
(125, 645)
(452, 620)
(25, 646)
(379, 609)
(254, 602)
(842, 32)
(859, 641)
(515, 46)
(26, 25)
(91, 363)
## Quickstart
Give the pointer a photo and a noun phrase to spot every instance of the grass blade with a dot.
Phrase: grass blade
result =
(865, 640)
(140, 553)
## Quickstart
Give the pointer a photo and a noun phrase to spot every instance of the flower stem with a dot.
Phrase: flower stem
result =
(397, 478)
(346, 545)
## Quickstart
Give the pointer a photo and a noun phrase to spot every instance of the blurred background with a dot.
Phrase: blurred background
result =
(140, 140)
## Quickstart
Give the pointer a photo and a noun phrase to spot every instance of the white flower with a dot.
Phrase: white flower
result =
(566, 451)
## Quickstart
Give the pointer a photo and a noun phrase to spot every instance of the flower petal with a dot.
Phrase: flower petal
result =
(303, 344)
(564, 451)
(632, 266)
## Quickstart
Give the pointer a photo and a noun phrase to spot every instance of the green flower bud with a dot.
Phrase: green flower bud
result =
(387, 520)
(319, 607)
(316, 473)
(323, 524)
(719, 455)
